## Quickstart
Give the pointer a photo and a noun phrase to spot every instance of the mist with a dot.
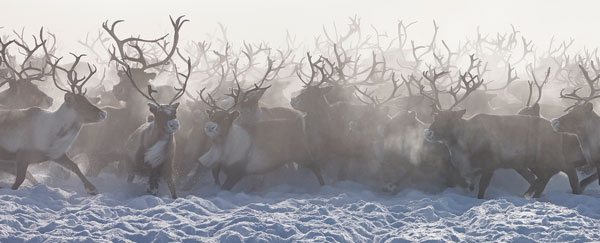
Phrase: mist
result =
(285, 121)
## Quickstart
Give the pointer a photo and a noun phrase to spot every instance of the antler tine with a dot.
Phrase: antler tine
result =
(312, 71)
(365, 93)
(54, 77)
(589, 80)
(540, 86)
(181, 91)
(133, 42)
(530, 93)
(177, 24)
(470, 85)
(73, 80)
(149, 96)
(432, 82)
(397, 85)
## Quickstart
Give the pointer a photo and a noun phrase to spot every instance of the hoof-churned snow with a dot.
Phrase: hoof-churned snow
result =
(347, 212)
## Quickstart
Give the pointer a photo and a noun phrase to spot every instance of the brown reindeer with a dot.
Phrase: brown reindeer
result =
(483, 143)
(34, 135)
(103, 144)
(581, 120)
(150, 149)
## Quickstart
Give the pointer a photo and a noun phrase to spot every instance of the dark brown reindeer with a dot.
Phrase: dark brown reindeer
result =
(483, 143)
(150, 149)
(581, 120)
(34, 135)
(103, 144)
(570, 145)
(22, 92)
(327, 123)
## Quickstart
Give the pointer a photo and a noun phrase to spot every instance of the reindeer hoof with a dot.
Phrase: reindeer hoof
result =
(92, 190)
(528, 195)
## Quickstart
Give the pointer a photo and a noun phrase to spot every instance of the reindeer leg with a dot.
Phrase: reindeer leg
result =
(541, 185)
(573, 181)
(215, 173)
(317, 171)
(153, 180)
(21, 172)
(586, 181)
(233, 177)
(598, 172)
(65, 161)
(484, 182)
(527, 174)
(193, 179)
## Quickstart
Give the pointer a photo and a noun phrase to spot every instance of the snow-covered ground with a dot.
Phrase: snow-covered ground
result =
(284, 208)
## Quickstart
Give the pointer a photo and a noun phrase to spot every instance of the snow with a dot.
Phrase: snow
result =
(287, 206)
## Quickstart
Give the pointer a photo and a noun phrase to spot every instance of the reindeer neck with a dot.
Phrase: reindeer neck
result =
(156, 133)
(66, 115)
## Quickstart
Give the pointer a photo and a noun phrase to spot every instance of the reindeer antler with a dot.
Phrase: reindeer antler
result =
(75, 82)
(133, 42)
(374, 99)
(539, 86)
(582, 100)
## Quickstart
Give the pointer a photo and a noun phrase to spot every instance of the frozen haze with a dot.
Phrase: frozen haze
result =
(268, 20)
(285, 206)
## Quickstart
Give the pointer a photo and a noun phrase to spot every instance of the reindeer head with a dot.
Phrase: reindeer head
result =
(220, 120)
(165, 117)
(447, 122)
(219, 123)
(581, 114)
(444, 126)
(22, 92)
(75, 99)
(310, 97)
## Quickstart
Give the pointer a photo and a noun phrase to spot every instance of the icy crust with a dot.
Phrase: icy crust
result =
(346, 212)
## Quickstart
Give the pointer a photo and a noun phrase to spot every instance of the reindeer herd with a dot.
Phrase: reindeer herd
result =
(375, 108)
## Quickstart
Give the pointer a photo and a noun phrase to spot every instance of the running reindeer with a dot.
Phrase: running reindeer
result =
(150, 149)
(35, 135)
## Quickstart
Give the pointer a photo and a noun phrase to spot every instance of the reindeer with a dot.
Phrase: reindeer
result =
(34, 135)
(582, 121)
(103, 144)
(254, 148)
(22, 92)
(150, 149)
(483, 143)
(327, 122)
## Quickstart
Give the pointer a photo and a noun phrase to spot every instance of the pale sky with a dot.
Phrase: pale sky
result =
(269, 19)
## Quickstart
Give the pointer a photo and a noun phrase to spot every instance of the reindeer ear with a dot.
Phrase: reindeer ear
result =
(209, 112)
(174, 106)
(152, 76)
(69, 98)
(460, 113)
(589, 107)
(153, 107)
